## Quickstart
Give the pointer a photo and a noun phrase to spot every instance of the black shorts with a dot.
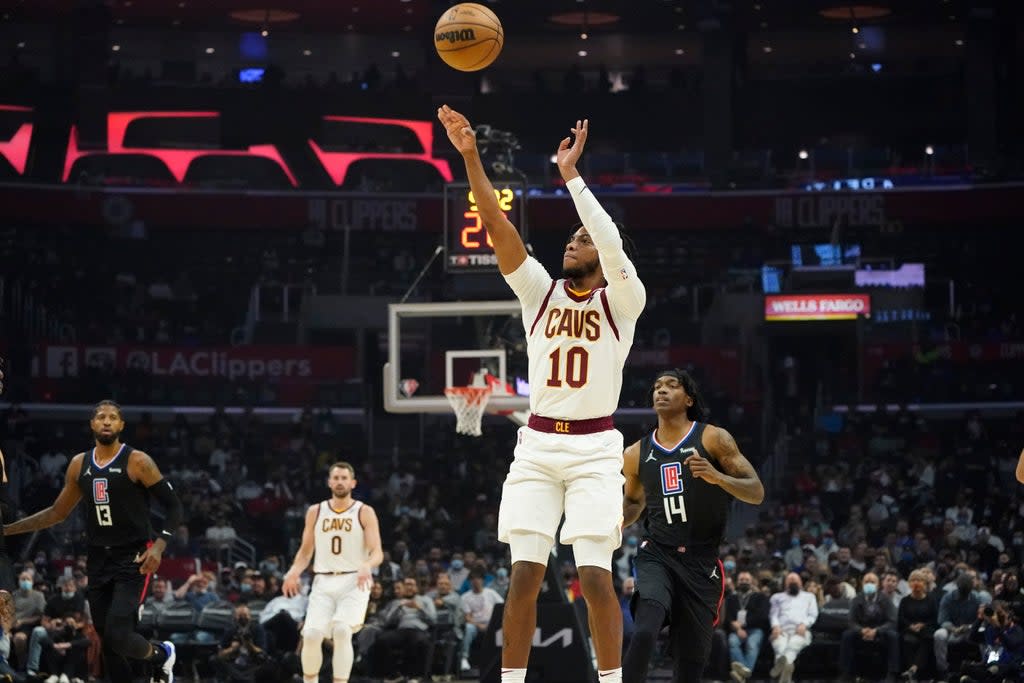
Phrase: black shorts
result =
(690, 586)
(114, 579)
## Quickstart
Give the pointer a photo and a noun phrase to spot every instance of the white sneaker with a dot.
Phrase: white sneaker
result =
(465, 666)
(168, 668)
(52, 679)
(63, 679)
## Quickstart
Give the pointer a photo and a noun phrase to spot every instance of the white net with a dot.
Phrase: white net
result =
(469, 404)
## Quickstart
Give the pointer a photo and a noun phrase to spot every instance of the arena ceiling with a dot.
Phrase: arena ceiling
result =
(518, 16)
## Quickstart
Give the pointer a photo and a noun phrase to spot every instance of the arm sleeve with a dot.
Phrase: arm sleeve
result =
(626, 294)
(774, 612)
(530, 282)
(171, 504)
(855, 613)
(812, 612)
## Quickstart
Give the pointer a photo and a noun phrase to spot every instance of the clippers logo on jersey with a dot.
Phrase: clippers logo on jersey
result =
(671, 478)
(99, 491)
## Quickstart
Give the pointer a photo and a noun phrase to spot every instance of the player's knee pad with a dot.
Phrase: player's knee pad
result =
(530, 546)
(341, 633)
(594, 551)
(312, 636)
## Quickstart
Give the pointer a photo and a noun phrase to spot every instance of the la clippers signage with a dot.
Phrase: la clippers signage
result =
(280, 363)
(816, 307)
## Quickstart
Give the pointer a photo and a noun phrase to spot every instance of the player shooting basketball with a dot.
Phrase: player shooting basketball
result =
(569, 457)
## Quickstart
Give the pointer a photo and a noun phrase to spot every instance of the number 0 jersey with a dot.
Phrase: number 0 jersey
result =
(339, 546)
(116, 508)
(681, 509)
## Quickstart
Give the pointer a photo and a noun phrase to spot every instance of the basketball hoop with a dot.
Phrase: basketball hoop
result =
(468, 403)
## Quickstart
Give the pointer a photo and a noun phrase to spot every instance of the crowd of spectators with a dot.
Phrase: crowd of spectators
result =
(894, 534)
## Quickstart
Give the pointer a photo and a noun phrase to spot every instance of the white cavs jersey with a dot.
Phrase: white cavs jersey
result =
(339, 543)
(577, 343)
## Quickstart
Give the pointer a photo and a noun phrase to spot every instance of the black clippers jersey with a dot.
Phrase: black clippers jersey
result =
(681, 509)
(117, 508)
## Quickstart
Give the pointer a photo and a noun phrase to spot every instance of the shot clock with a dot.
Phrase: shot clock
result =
(468, 248)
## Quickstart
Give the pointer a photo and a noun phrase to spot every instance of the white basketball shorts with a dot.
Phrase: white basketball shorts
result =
(579, 475)
(336, 598)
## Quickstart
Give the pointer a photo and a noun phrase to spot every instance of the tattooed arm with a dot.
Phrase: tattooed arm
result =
(739, 477)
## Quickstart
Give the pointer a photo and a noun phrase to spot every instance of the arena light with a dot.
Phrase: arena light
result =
(15, 149)
(176, 160)
(803, 154)
(337, 163)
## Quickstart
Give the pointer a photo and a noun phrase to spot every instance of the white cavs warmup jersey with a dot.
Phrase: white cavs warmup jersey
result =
(577, 342)
(339, 543)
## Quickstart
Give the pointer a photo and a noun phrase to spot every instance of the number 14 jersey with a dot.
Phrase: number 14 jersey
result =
(682, 510)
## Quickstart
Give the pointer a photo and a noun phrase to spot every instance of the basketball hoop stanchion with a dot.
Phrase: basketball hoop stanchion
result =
(469, 404)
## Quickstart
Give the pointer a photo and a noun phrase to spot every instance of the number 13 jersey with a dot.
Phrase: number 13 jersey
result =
(117, 508)
(682, 510)
(339, 546)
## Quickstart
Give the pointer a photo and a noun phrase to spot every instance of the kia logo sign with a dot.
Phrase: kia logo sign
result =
(561, 638)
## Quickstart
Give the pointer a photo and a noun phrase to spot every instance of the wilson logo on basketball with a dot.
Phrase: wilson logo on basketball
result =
(455, 36)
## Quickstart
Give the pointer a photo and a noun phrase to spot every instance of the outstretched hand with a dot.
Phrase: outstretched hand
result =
(568, 154)
(459, 131)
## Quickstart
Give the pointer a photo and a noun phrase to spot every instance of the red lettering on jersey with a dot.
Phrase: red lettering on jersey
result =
(574, 323)
(99, 491)
(593, 324)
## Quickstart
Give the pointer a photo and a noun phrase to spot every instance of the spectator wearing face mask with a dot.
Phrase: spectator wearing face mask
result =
(501, 582)
(826, 548)
(957, 611)
(729, 565)
(747, 619)
(792, 613)
(458, 573)
(29, 605)
(872, 620)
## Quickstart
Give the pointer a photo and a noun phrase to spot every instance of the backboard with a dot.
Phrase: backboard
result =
(432, 346)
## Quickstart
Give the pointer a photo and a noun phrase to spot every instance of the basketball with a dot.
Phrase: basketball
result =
(468, 37)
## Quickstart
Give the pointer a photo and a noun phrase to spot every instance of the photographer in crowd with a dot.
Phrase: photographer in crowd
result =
(1002, 646)
(243, 657)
